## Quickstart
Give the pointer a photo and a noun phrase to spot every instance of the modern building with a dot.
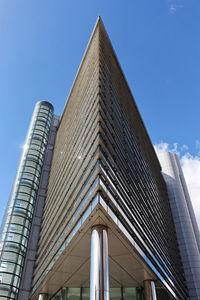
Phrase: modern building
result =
(184, 220)
(89, 214)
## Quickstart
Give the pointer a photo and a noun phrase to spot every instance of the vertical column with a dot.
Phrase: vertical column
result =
(150, 290)
(99, 269)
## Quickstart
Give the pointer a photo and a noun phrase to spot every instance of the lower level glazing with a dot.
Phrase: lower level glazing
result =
(121, 293)
(83, 293)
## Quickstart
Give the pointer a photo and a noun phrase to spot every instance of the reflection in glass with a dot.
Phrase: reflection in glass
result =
(83, 293)
(16, 226)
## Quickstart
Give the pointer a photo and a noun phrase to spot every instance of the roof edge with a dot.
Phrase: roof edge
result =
(97, 24)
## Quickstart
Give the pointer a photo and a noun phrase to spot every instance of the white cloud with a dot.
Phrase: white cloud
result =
(191, 169)
(175, 148)
(184, 147)
(161, 147)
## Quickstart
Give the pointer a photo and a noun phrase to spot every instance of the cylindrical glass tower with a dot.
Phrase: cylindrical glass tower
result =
(184, 220)
(16, 226)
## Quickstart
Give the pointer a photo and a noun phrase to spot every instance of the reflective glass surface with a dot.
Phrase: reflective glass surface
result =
(16, 226)
(80, 293)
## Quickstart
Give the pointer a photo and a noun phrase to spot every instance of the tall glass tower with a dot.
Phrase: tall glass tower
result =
(184, 219)
(95, 222)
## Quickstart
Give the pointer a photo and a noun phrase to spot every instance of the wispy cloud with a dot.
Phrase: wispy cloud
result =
(184, 147)
(163, 147)
(191, 169)
(172, 9)
(174, 6)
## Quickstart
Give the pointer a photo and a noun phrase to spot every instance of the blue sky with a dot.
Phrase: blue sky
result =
(157, 43)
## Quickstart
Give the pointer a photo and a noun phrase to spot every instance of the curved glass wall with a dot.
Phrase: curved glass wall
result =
(17, 221)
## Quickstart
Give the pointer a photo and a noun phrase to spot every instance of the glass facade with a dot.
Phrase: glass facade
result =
(103, 169)
(17, 222)
(75, 293)
(185, 222)
(63, 244)
(130, 174)
(102, 148)
(73, 181)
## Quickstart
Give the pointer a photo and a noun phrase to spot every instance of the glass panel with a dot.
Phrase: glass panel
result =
(129, 294)
(85, 293)
(58, 296)
(15, 233)
(115, 293)
(4, 290)
(74, 294)
(64, 294)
